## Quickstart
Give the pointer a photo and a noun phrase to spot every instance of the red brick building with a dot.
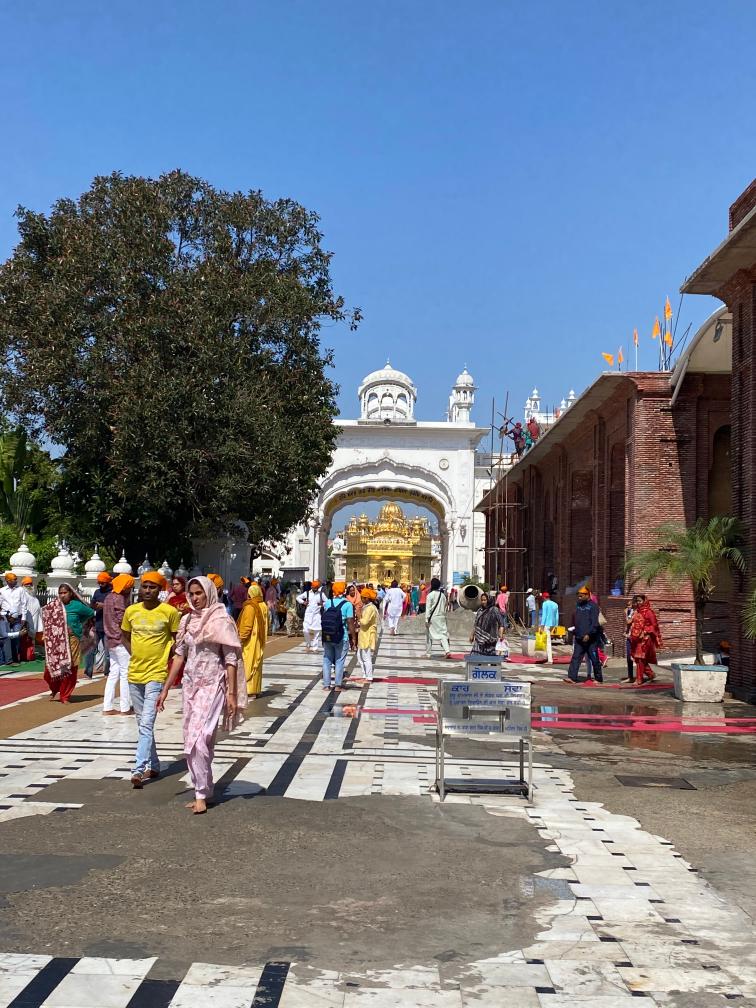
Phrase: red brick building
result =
(636, 449)
(729, 274)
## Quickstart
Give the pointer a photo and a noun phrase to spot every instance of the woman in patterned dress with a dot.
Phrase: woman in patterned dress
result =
(64, 621)
(208, 651)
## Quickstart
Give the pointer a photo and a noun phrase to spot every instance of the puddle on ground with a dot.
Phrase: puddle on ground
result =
(692, 730)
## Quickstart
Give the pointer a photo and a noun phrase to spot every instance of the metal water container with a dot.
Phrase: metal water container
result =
(469, 597)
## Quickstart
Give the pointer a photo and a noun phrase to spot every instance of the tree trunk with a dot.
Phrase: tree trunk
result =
(700, 605)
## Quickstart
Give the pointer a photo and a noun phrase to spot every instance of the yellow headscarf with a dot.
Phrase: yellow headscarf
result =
(254, 593)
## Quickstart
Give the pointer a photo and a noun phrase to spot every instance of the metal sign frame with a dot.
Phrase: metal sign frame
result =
(507, 698)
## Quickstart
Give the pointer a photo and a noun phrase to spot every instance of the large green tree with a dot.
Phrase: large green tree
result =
(166, 336)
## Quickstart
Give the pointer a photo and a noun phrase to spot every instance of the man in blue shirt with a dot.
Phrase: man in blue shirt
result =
(549, 620)
(335, 638)
(101, 592)
(549, 611)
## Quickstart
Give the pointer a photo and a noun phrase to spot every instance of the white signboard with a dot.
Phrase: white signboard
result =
(483, 707)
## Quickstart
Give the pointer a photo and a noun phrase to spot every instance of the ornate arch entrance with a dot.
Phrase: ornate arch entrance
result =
(387, 480)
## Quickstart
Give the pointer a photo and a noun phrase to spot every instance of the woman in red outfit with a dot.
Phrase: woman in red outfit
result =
(645, 638)
(179, 600)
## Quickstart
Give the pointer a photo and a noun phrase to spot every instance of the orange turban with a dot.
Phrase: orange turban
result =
(369, 594)
(122, 582)
(154, 577)
(339, 587)
(316, 583)
(104, 578)
(216, 579)
(10, 576)
(27, 581)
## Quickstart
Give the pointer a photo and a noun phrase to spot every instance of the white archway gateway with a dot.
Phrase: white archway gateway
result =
(388, 455)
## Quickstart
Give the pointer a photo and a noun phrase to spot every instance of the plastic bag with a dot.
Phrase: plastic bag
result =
(540, 640)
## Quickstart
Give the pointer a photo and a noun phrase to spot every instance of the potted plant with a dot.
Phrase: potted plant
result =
(693, 554)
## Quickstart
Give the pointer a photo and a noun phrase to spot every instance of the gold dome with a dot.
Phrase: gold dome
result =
(391, 512)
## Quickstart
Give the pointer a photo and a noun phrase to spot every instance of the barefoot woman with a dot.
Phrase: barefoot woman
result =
(208, 651)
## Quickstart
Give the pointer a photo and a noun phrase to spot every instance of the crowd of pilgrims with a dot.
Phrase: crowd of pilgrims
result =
(204, 637)
(210, 641)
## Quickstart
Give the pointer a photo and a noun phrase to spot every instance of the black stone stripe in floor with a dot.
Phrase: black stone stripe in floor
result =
(284, 777)
(287, 773)
(271, 984)
(43, 984)
(154, 994)
(337, 779)
(273, 728)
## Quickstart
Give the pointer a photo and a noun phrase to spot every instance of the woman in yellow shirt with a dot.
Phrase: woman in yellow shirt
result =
(253, 632)
(367, 637)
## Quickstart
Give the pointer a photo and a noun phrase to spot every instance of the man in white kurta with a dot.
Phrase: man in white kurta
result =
(313, 600)
(393, 604)
(13, 603)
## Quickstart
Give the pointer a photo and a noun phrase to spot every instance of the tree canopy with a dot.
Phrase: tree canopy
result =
(166, 335)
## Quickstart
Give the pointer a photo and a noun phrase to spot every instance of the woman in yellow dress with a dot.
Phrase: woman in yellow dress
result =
(253, 632)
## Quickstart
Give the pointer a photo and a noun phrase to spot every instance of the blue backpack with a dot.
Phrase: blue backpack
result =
(332, 625)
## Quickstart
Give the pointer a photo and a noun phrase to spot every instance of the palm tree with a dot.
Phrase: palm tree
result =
(691, 554)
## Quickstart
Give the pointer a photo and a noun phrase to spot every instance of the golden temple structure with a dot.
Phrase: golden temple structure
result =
(391, 547)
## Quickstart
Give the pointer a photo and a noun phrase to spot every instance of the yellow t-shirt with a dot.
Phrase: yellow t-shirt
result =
(151, 638)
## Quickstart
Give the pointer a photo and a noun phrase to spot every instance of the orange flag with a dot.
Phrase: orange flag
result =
(667, 310)
(620, 356)
(656, 331)
(609, 358)
(668, 338)
(635, 337)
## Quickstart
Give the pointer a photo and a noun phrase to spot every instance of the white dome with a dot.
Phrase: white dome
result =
(386, 376)
(94, 565)
(63, 561)
(465, 379)
(24, 559)
(387, 395)
(123, 566)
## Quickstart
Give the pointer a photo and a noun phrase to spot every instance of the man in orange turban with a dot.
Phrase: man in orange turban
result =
(122, 582)
(155, 578)
(13, 603)
(149, 629)
(118, 657)
(337, 627)
(33, 620)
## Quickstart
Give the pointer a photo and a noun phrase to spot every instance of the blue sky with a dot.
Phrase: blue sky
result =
(509, 185)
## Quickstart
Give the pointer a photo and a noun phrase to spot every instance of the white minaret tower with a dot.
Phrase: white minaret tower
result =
(462, 398)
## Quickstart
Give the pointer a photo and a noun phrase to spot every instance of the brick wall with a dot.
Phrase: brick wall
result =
(633, 463)
(740, 296)
(743, 205)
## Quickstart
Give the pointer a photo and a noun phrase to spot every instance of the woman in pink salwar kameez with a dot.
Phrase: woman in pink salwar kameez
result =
(208, 651)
